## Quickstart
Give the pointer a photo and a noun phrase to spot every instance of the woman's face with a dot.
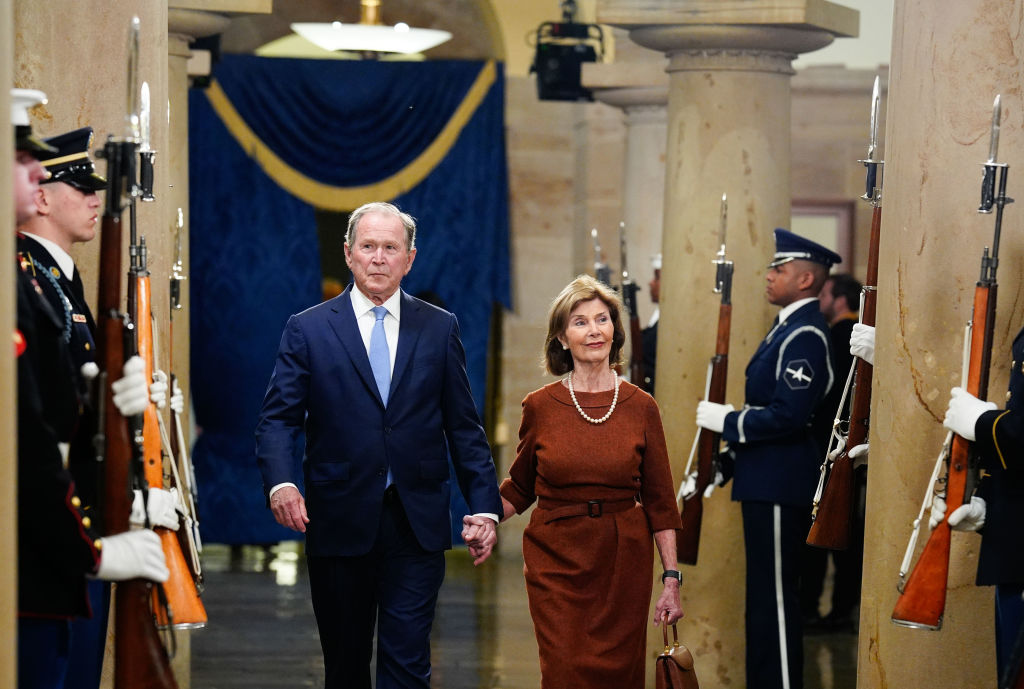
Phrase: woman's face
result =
(589, 332)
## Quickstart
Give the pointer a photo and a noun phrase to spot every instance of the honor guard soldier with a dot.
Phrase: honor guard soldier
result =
(58, 547)
(777, 456)
(996, 509)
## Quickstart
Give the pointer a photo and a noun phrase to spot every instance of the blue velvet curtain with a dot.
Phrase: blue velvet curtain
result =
(253, 243)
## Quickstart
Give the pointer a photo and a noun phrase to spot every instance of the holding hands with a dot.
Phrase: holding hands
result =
(480, 535)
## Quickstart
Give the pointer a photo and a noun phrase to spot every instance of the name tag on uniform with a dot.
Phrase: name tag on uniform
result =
(79, 318)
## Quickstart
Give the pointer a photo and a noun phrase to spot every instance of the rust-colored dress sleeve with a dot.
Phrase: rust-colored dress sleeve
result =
(657, 489)
(519, 488)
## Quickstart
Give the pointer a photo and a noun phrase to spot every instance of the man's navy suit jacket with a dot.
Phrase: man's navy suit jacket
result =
(323, 384)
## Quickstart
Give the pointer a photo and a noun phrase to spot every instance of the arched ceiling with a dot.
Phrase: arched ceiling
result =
(474, 28)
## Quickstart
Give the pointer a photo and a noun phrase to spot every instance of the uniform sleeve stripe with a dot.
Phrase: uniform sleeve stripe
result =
(995, 440)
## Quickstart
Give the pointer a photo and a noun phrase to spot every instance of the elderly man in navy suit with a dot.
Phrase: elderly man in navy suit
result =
(777, 457)
(377, 380)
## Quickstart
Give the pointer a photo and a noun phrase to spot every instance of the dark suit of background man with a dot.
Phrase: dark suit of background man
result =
(839, 302)
(382, 395)
(777, 456)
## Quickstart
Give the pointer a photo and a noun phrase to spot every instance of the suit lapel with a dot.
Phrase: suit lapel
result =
(409, 328)
(343, 323)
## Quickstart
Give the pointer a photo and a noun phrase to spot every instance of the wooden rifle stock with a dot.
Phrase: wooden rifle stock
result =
(140, 660)
(186, 610)
(833, 515)
(688, 538)
(923, 599)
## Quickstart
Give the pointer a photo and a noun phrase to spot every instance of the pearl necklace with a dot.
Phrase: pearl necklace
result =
(615, 400)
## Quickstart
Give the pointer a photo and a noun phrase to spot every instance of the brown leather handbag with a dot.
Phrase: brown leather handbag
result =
(674, 667)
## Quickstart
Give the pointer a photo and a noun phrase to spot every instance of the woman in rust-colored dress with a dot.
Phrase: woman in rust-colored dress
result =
(592, 455)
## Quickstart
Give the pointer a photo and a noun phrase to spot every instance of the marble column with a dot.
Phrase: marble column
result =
(728, 132)
(937, 135)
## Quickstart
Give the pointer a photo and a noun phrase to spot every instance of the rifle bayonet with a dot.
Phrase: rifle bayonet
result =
(873, 186)
(988, 180)
(723, 272)
(146, 153)
(601, 270)
(177, 269)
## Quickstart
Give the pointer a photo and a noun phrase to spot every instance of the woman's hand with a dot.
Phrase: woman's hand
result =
(668, 607)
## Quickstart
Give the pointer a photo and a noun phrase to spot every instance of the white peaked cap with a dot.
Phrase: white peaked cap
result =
(21, 101)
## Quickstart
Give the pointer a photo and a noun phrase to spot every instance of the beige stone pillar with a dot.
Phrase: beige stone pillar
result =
(637, 84)
(728, 132)
(8, 374)
(931, 246)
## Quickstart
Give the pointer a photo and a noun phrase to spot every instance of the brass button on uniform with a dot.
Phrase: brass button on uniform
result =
(1009, 393)
(98, 544)
(76, 502)
(86, 522)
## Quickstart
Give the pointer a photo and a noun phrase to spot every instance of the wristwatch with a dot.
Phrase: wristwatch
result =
(672, 574)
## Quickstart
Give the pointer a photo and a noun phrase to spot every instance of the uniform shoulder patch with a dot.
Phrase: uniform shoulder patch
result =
(798, 374)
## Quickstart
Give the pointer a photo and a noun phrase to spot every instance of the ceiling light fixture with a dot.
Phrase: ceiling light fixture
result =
(371, 34)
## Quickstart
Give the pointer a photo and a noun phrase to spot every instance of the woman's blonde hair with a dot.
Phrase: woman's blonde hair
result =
(558, 361)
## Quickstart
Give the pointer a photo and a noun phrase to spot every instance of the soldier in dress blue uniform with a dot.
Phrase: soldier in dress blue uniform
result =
(777, 456)
(996, 510)
(58, 547)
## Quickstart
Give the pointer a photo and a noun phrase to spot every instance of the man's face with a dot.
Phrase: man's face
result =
(826, 302)
(380, 257)
(27, 175)
(655, 286)
(785, 282)
(73, 213)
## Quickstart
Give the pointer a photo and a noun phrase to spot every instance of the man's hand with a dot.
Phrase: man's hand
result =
(862, 342)
(158, 389)
(132, 555)
(859, 454)
(711, 415)
(289, 509)
(963, 412)
(480, 535)
(131, 395)
(938, 514)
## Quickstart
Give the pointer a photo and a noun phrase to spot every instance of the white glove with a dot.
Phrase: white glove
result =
(162, 506)
(862, 342)
(158, 389)
(970, 516)
(718, 480)
(938, 512)
(837, 450)
(711, 415)
(89, 370)
(132, 555)
(859, 454)
(689, 487)
(963, 412)
(130, 393)
(177, 398)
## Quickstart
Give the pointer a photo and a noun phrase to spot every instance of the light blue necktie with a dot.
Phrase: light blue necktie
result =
(380, 356)
(380, 362)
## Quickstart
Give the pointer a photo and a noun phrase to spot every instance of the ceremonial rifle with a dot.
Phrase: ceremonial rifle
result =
(922, 598)
(601, 270)
(140, 660)
(707, 442)
(181, 608)
(832, 513)
(177, 444)
(636, 337)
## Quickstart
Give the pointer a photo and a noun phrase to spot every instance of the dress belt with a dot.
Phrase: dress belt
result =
(590, 508)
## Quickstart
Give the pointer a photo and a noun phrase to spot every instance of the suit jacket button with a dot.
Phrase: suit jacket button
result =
(387, 429)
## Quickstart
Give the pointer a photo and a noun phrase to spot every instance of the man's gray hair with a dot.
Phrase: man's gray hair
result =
(408, 222)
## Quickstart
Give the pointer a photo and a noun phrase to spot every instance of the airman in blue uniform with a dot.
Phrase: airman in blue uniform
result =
(777, 456)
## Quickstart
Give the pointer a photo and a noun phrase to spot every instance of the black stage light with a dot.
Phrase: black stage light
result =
(561, 48)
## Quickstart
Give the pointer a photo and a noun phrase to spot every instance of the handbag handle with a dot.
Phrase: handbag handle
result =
(664, 634)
